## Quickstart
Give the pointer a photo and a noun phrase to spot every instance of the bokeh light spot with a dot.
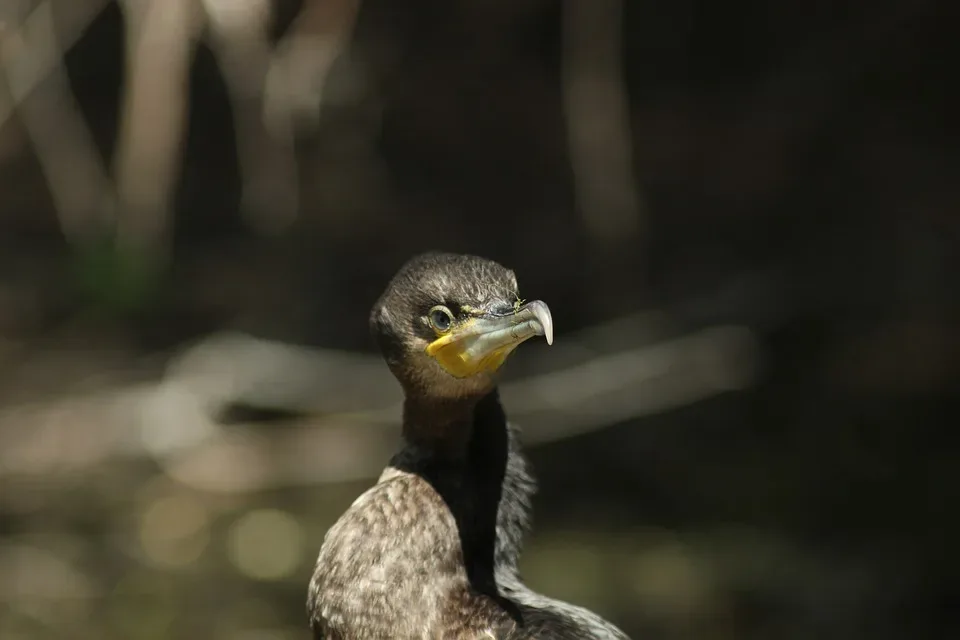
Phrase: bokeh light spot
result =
(174, 530)
(266, 544)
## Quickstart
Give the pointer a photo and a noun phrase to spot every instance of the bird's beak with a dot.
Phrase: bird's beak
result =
(483, 342)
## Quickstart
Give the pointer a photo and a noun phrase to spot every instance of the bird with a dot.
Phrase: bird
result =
(432, 549)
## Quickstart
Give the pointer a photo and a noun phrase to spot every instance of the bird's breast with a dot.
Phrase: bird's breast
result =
(391, 566)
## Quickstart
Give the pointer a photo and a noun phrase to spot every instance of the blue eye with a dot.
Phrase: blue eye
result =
(441, 318)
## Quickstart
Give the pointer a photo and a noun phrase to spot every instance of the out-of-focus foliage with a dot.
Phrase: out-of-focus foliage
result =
(742, 216)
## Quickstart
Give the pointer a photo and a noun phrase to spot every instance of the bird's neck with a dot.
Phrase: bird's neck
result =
(463, 446)
(443, 429)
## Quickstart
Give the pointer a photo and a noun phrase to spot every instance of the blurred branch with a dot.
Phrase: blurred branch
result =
(359, 398)
(598, 120)
(297, 80)
(40, 91)
(239, 39)
(159, 43)
(72, 20)
(267, 88)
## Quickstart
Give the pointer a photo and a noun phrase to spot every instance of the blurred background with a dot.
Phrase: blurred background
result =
(742, 216)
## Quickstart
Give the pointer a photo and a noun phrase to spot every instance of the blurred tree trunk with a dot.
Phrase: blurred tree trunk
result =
(600, 142)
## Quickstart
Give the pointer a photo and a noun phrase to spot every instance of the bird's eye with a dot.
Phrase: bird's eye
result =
(441, 318)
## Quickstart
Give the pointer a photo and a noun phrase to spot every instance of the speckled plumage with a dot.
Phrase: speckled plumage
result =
(431, 550)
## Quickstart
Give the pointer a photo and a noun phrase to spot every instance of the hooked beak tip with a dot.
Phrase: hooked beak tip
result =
(541, 312)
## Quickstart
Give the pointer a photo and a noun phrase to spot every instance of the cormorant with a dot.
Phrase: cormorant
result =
(431, 550)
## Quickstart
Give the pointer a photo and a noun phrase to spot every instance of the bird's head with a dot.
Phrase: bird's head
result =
(446, 323)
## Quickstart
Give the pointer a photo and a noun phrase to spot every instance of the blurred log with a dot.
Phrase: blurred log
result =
(173, 420)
